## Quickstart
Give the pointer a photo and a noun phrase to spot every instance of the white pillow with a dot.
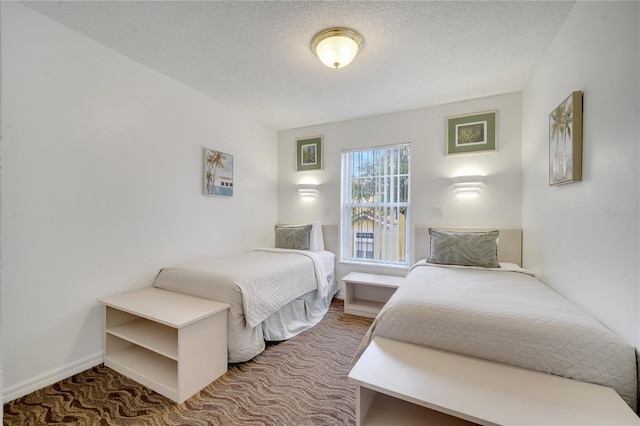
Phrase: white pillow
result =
(317, 239)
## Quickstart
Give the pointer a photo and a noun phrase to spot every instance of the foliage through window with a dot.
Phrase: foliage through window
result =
(375, 205)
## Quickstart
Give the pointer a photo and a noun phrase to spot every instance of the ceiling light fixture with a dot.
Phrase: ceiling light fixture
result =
(336, 47)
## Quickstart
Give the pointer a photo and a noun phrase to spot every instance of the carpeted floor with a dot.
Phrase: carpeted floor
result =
(302, 381)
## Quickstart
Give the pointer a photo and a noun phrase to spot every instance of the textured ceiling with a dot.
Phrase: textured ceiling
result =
(255, 57)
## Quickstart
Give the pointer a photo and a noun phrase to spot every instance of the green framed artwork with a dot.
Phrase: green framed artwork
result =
(565, 141)
(472, 133)
(309, 154)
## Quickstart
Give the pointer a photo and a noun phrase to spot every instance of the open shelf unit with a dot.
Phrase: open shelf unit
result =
(366, 293)
(172, 343)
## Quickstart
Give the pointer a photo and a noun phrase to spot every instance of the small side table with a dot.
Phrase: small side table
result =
(172, 343)
(367, 293)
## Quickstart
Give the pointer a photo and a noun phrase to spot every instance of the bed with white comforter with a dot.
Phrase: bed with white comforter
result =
(508, 316)
(274, 293)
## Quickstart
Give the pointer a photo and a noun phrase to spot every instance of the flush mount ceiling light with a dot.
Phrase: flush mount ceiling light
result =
(336, 47)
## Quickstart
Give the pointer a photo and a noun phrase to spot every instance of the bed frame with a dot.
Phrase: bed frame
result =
(509, 242)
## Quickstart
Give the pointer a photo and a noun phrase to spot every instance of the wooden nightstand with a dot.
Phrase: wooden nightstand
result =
(367, 293)
(170, 342)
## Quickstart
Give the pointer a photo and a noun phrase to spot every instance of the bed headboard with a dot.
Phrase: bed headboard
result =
(331, 238)
(509, 242)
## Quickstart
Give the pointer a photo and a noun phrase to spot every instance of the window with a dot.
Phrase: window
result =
(364, 245)
(375, 205)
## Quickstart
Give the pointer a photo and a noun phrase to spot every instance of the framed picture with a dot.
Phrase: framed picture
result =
(565, 141)
(472, 133)
(309, 154)
(217, 173)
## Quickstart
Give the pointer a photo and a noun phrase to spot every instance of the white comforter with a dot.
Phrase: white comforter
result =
(508, 317)
(256, 284)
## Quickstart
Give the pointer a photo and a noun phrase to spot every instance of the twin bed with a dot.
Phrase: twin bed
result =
(467, 295)
(497, 311)
(274, 293)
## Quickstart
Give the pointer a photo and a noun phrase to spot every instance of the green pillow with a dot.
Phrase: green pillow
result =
(464, 248)
(293, 237)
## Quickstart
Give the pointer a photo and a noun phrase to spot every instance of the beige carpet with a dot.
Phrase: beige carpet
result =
(302, 381)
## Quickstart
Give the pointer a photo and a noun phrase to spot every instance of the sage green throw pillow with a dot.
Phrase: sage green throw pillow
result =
(464, 248)
(293, 237)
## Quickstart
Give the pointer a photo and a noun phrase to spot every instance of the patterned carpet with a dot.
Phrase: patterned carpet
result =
(302, 381)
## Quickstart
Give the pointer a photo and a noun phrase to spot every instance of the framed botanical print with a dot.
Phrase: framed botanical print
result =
(472, 133)
(309, 153)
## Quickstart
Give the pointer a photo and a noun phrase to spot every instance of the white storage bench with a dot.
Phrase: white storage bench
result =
(404, 384)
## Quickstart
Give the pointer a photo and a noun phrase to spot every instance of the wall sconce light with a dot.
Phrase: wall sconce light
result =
(467, 184)
(307, 190)
(337, 47)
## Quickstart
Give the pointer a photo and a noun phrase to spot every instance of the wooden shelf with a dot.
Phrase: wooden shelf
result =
(386, 410)
(363, 308)
(149, 368)
(377, 280)
(150, 335)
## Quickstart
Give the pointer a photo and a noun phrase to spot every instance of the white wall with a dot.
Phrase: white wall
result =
(101, 186)
(431, 170)
(583, 237)
(1, 356)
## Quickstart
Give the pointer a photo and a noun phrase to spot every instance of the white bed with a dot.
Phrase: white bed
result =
(274, 293)
(505, 315)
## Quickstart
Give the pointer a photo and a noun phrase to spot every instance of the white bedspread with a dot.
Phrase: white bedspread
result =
(508, 317)
(256, 284)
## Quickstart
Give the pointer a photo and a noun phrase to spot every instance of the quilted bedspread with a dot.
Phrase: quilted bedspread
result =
(507, 317)
(256, 284)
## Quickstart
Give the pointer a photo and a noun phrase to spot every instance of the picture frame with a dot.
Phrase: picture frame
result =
(309, 153)
(472, 132)
(565, 141)
(217, 173)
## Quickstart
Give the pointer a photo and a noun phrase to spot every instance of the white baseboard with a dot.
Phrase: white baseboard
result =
(50, 377)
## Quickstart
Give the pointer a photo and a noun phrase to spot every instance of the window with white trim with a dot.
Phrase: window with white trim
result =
(375, 205)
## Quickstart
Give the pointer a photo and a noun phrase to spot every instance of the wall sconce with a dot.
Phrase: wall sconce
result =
(467, 184)
(307, 190)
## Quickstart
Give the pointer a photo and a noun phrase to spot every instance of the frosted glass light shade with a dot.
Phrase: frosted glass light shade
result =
(467, 184)
(337, 47)
(308, 190)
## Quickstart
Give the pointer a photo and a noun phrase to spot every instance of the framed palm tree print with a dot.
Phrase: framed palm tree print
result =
(565, 141)
(218, 173)
(309, 153)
